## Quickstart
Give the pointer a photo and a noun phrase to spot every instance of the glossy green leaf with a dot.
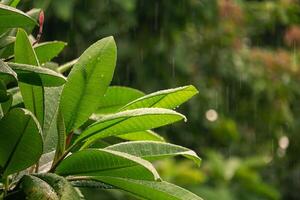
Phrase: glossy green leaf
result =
(151, 151)
(47, 186)
(100, 162)
(48, 50)
(170, 98)
(147, 135)
(87, 82)
(21, 143)
(11, 18)
(150, 189)
(128, 122)
(35, 75)
(33, 96)
(116, 97)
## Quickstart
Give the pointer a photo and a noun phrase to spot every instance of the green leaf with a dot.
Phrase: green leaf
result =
(3, 92)
(151, 151)
(116, 97)
(147, 135)
(33, 96)
(91, 184)
(12, 3)
(61, 135)
(47, 186)
(17, 97)
(100, 162)
(6, 73)
(170, 98)
(21, 143)
(5, 106)
(11, 18)
(87, 83)
(60, 185)
(128, 122)
(6, 40)
(150, 189)
(48, 50)
(50, 130)
(35, 75)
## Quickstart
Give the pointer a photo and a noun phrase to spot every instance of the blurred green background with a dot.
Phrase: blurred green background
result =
(243, 56)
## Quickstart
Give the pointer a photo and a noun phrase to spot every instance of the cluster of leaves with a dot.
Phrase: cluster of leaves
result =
(242, 54)
(61, 133)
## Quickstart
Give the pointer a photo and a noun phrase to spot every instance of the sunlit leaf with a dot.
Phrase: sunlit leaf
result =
(100, 162)
(170, 98)
(33, 96)
(11, 18)
(87, 82)
(147, 135)
(48, 50)
(150, 189)
(128, 122)
(150, 150)
(116, 97)
(35, 75)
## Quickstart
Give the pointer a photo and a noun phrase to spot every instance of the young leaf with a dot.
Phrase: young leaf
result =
(154, 150)
(33, 96)
(87, 82)
(100, 162)
(11, 18)
(147, 135)
(170, 98)
(47, 186)
(61, 186)
(48, 50)
(35, 75)
(21, 142)
(116, 97)
(149, 189)
(128, 122)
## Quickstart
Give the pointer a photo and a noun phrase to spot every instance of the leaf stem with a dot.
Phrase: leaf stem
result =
(6, 183)
(65, 67)
(56, 162)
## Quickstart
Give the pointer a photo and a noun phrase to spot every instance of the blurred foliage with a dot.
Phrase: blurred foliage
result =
(244, 58)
